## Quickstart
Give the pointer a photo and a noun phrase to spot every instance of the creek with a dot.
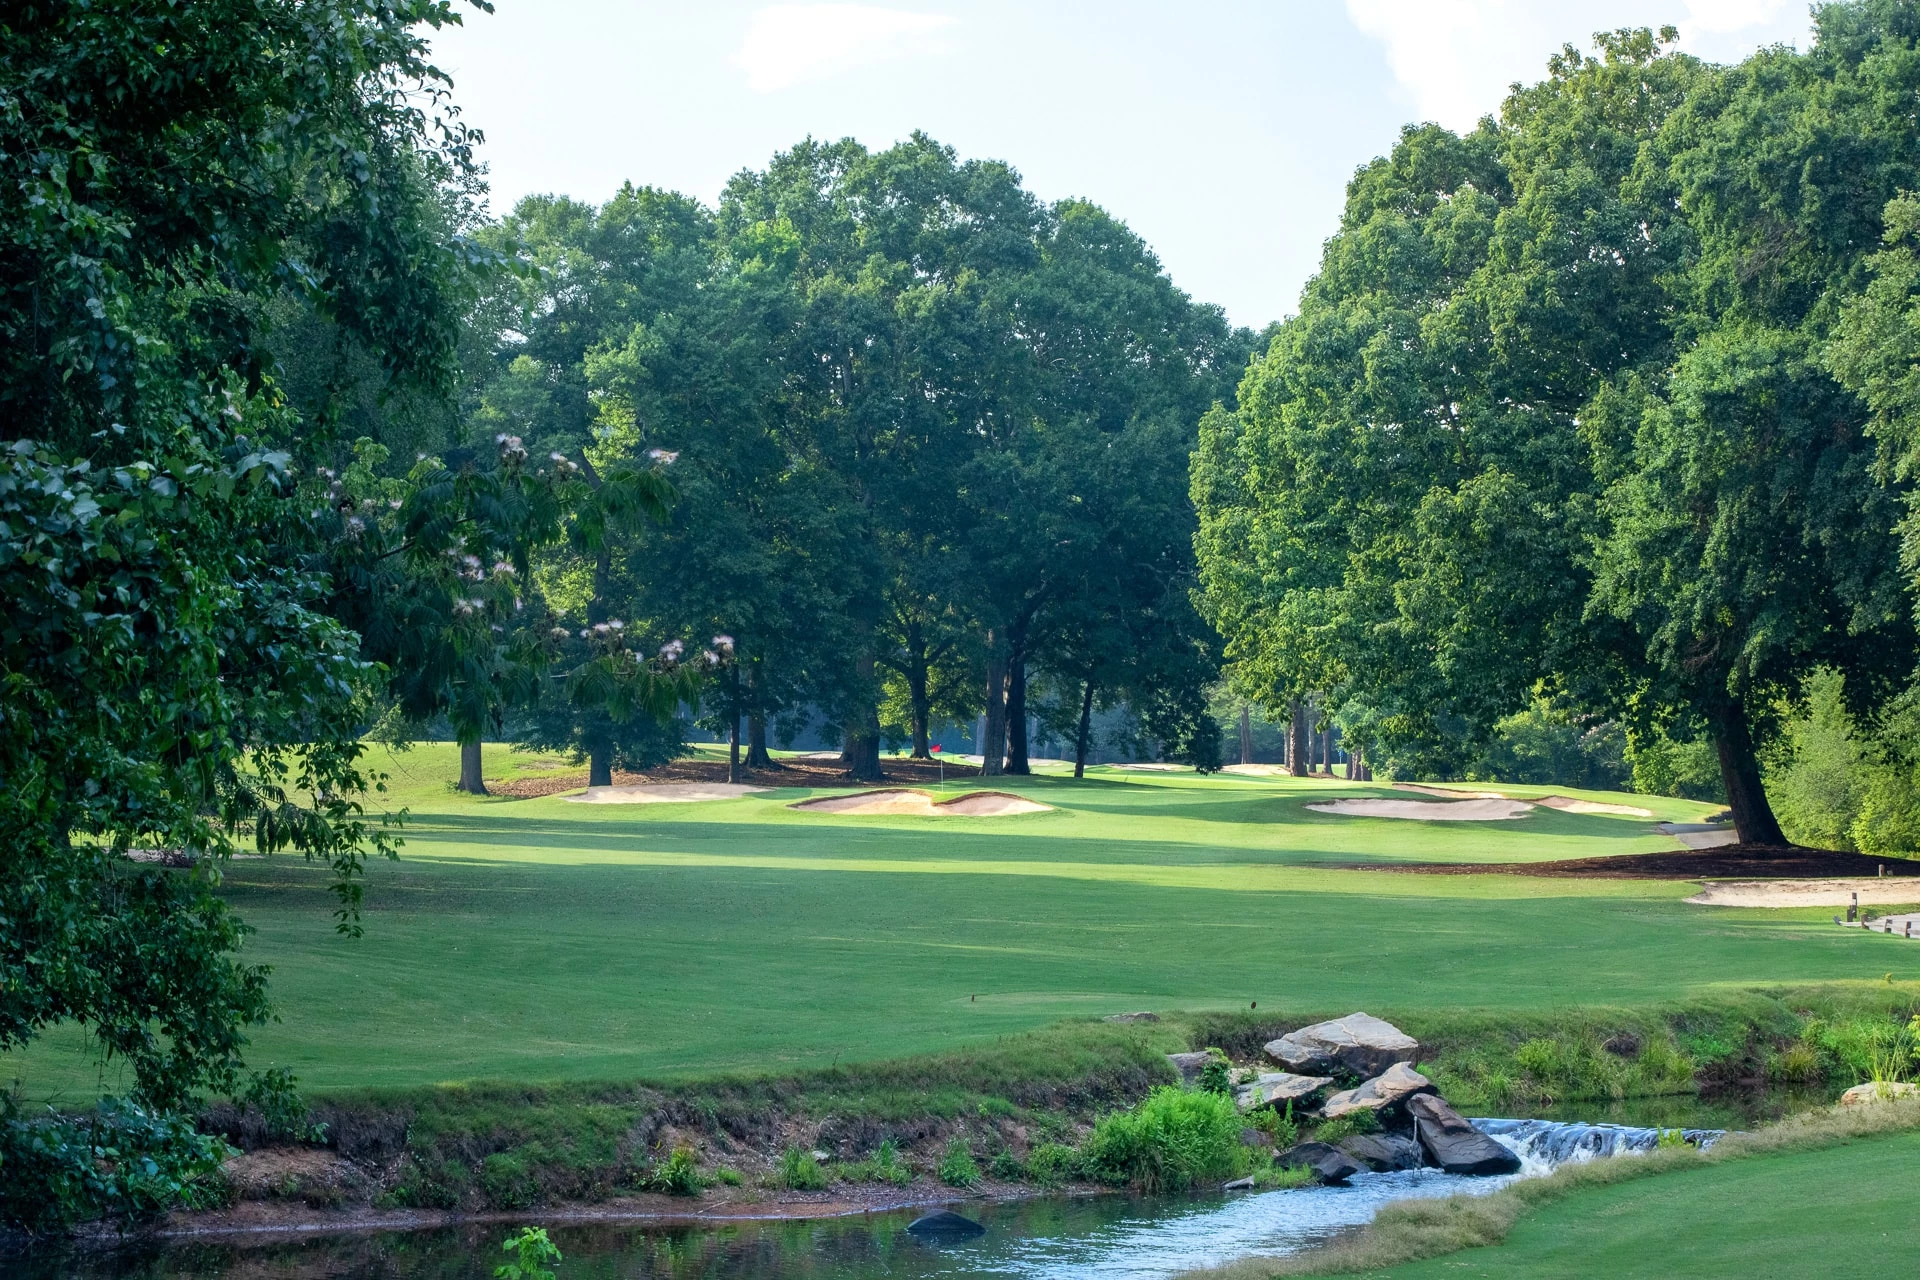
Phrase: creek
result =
(1109, 1237)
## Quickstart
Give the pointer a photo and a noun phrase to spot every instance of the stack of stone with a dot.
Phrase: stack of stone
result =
(1417, 1128)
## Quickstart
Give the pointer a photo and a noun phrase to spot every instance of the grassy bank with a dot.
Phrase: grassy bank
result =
(1021, 1109)
(540, 940)
(1828, 1194)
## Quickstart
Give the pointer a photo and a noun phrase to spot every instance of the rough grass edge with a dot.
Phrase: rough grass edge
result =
(1416, 1230)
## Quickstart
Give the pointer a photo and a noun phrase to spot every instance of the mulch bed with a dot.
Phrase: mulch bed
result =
(792, 773)
(1727, 862)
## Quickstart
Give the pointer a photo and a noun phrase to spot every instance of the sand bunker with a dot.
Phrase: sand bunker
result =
(1257, 770)
(975, 804)
(1451, 793)
(1567, 804)
(1481, 810)
(1156, 767)
(1806, 893)
(664, 793)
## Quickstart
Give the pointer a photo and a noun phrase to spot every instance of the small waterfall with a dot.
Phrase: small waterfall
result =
(1555, 1142)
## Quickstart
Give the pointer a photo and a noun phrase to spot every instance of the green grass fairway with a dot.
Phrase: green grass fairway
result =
(1843, 1211)
(541, 939)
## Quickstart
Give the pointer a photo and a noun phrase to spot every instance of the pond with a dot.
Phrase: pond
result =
(1111, 1237)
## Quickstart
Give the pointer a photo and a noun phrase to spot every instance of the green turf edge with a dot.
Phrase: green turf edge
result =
(1418, 1230)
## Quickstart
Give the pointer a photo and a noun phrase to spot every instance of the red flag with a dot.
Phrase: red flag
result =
(936, 746)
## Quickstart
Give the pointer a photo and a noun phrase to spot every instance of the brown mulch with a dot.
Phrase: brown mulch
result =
(1727, 862)
(791, 773)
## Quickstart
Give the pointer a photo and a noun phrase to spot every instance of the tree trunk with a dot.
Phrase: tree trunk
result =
(863, 736)
(1017, 715)
(1246, 735)
(1753, 817)
(1297, 741)
(733, 747)
(920, 712)
(470, 781)
(993, 739)
(599, 765)
(758, 757)
(1085, 736)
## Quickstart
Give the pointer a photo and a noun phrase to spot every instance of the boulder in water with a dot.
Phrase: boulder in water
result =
(1329, 1163)
(945, 1225)
(1277, 1089)
(1394, 1085)
(1452, 1143)
(1358, 1044)
(1384, 1152)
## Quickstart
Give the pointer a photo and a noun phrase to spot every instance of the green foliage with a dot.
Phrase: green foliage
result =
(1274, 1176)
(1542, 746)
(884, 1165)
(1173, 1140)
(1277, 1123)
(122, 1163)
(1819, 766)
(728, 1177)
(530, 1251)
(506, 1181)
(1217, 1075)
(677, 1175)
(1346, 1126)
(1663, 766)
(1050, 1164)
(957, 1167)
(799, 1171)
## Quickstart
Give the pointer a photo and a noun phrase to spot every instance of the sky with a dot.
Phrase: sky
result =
(1222, 131)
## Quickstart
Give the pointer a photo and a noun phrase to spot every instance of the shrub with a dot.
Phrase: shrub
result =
(957, 1168)
(1050, 1163)
(884, 1165)
(1277, 1124)
(122, 1162)
(728, 1177)
(1346, 1126)
(1217, 1075)
(1007, 1166)
(799, 1171)
(1171, 1141)
(1282, 1177)
(530, 1251)
(1798, 1062)
(677, 1175)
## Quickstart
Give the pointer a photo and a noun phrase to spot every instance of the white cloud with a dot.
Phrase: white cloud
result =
(1455, 58)
(790, 44)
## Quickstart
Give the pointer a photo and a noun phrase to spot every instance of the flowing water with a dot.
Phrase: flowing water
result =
(1049, 1238)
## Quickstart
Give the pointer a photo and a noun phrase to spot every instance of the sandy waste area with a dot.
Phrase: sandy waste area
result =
(976, 804)
(1806, 893)
(664, 793)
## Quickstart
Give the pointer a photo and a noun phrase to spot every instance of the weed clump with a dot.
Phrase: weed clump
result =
(884, 1165)
(799, 1171)
(957, 1168)
(677, 1175)
(1172, 1141)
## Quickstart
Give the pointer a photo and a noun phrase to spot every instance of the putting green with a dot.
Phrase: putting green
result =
(1843, 1211)
(539, 939)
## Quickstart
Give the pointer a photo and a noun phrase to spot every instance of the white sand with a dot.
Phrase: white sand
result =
(1699, 835)
(921, 804)
(1452, 793)
(1154, 767)
(1481, 810)
(664, 793)
(1567, 804)
(1257, 770)
(1807, 893)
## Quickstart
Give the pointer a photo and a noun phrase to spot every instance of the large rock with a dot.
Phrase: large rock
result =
(1394, 1085)
(1359, 1044)
(945, 1225)
(1452, 1143)
(1329, 1163)
(1883, 1091)
(1384, 1152)
(1189, 1065)
(1277, 1089)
